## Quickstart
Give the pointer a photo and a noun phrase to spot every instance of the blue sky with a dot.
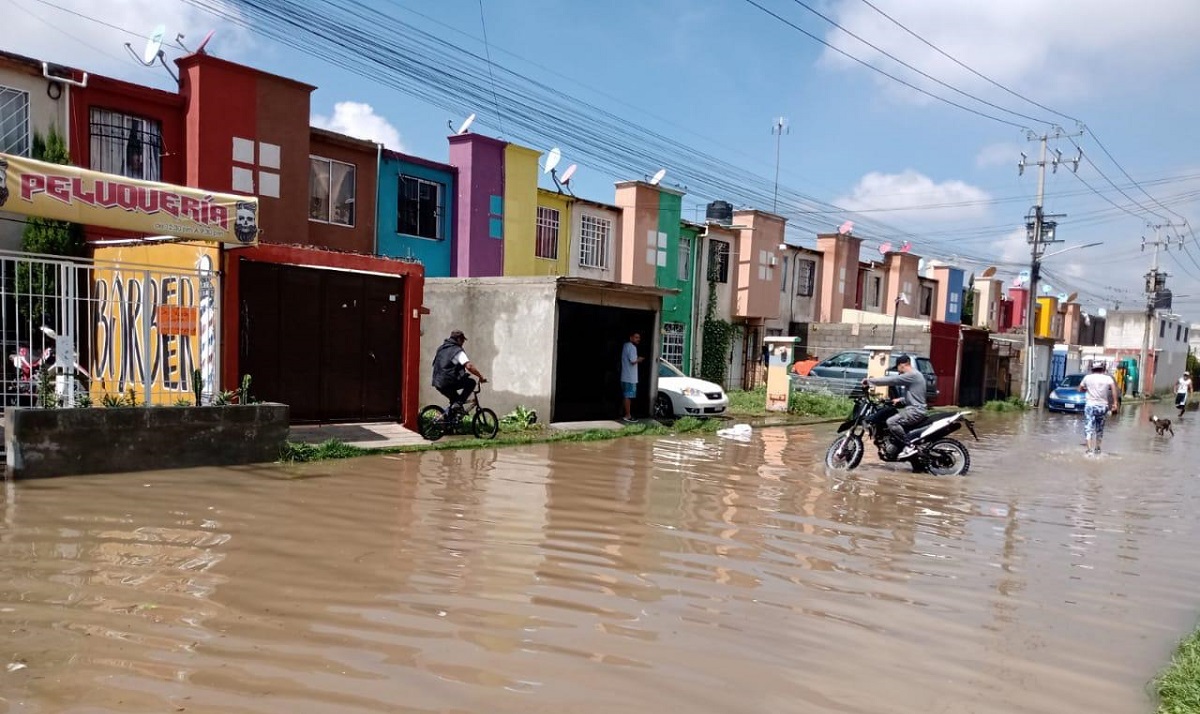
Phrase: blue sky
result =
(715, 74)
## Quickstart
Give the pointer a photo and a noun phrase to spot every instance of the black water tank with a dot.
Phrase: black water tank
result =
(720, 212)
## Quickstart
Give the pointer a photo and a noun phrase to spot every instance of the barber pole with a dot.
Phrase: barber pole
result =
(208, 334)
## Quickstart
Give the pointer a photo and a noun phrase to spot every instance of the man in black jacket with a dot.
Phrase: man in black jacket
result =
(450, 367)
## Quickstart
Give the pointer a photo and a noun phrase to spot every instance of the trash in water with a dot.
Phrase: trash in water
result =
(16, 666)
(740, 432)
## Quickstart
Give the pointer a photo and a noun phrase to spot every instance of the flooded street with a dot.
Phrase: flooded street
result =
(639, 575)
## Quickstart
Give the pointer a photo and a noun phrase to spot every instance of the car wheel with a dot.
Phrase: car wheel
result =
(663, 408)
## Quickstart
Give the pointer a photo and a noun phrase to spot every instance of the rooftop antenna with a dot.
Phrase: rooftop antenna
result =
(846, 228)
(906, 247)
(565, 181)
(153, 51)
(778, 129)
(552, 159)
(462, 128)
(204, 42)
(658, 177)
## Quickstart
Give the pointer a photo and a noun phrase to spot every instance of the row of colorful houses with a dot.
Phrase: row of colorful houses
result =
(367, 257)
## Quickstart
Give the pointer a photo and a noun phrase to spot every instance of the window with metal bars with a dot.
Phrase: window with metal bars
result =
(718, 261)
(594, 233)
(547, 233)
(14, 122)
(806, 272)
(126, 145)
(672, 344)
(685, 259)
(420, 208)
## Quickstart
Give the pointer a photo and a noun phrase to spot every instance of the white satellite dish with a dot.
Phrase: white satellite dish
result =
(153, 45)
(658, 177)
(552, 159)
(462, 129)
(904, 298)
(566, 177)
(1102, 312)
(1047, 289)
(921, 265)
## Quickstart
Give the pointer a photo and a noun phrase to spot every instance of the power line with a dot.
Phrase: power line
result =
(873, 68)
(488, 50)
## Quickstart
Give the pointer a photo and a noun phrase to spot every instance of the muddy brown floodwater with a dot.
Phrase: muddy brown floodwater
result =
(677, 574)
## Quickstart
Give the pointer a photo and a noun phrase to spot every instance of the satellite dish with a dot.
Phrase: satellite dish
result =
(885, 248)
(552, 159)
(906, 247)
(903, 298)
(462, 129)
(921, 265)
(204, 42)
(153, 45)
(566, 177)
(1072, 297)
(846, 228)
(1102, 312)
(988, 272)
(658, 177)
(1047, 289)
(1062, 297)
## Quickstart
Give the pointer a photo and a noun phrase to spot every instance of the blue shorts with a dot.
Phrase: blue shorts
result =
(629, 389)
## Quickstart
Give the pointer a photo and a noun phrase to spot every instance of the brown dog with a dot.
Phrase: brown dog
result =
(1162, 426)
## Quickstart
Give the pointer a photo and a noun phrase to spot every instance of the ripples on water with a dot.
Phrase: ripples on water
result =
(678, 574)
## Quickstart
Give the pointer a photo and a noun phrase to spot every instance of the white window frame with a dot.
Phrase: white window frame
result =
(328, 220)
(685, 259)
(594, 234)
(102, 147)
(441, 206)
(549, 227)
(16, 100)
(674, 338)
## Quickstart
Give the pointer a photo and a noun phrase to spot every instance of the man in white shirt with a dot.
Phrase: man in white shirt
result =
(1183, 392)
(450, 368)
(629, 372)
(1101, 400)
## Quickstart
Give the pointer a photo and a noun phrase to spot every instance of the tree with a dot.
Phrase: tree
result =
(37, 283)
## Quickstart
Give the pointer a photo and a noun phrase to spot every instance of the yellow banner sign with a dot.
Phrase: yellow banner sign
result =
(68, 193)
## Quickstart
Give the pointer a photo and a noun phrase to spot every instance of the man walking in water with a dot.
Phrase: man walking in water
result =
(1101, 399)
(629, 372)
(913, 412)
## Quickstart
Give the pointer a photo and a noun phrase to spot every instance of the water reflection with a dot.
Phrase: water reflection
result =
(674, 574)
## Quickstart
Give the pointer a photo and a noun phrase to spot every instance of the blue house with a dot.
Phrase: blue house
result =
(416, 211)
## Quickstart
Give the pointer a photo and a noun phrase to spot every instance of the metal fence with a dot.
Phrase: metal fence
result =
(79, 332)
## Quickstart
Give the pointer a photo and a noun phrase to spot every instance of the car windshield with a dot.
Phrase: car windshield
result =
(666, 369)
(1071, 381)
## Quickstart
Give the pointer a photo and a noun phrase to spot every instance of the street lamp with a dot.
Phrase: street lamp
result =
(1074, 247)
(901, 298)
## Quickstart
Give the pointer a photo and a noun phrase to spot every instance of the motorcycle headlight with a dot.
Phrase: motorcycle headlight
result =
(691, 392)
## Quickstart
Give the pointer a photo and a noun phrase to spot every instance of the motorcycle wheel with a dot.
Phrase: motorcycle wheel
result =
(848, 460)
(431, 423)
(948, 457)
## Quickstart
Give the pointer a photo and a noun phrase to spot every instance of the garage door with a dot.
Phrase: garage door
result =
(325, 342)
(587, 376)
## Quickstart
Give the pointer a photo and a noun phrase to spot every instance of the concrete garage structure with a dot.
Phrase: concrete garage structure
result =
(551, 344)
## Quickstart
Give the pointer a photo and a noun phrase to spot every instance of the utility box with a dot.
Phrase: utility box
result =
(877, 366)
(781, 354)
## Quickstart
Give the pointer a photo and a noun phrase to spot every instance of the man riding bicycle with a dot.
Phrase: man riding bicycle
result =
(450, 368)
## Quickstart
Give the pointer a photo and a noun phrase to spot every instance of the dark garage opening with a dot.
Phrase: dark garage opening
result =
(325, 342)
(587, 377)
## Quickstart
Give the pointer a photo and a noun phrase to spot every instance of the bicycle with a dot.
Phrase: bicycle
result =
(434, 421)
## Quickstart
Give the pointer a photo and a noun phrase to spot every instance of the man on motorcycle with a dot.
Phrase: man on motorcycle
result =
(450, 367)
(913, 412)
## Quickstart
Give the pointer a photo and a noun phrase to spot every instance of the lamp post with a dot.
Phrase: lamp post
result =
(901, 298)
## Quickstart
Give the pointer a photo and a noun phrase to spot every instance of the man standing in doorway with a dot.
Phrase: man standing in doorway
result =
(629, 372)
(450, 367)
(1183, 392)
(1101, 399)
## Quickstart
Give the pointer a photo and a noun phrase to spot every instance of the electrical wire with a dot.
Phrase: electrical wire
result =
(488, 50)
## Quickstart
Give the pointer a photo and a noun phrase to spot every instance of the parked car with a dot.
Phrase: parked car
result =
(1066, 397)
(681, 395)
(844, 372)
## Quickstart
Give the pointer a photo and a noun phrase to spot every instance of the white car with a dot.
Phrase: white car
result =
(681, 395)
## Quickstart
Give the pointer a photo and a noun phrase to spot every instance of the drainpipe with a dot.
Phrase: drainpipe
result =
(697, 318)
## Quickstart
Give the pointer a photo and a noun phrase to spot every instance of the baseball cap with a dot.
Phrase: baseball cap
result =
(457, 335)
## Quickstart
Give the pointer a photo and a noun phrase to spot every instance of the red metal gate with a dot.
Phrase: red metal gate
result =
(943, 352)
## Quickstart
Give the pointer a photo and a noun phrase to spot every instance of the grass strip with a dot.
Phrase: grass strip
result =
(1178, 686)
(753, 403)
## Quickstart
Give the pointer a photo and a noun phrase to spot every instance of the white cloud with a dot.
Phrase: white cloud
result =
(915, 196)
(1051, 51)
(360, 121)
(84, 34)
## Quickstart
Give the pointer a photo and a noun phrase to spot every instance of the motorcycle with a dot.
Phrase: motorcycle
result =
(932, 449)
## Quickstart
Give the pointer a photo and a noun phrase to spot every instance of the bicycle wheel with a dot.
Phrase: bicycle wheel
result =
(431, 423)
(486, 424)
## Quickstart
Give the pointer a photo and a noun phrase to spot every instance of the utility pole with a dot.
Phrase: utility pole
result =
(1039, 232)
(1156, 281)
(778, 130)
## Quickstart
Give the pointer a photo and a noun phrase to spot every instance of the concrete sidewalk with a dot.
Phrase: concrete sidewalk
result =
(365, 436)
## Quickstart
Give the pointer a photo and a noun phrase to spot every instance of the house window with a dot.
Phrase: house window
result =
(330, 191)
(807, 272)
(718, 261)
(873, 283)
(547, 233)
(126, 145)
(14, 122)
(420, 208)
(926, 300)
(1178, 332)
(672, 344)
(784, 276)
(685, 259)
(593, 241)
(1162, 328)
